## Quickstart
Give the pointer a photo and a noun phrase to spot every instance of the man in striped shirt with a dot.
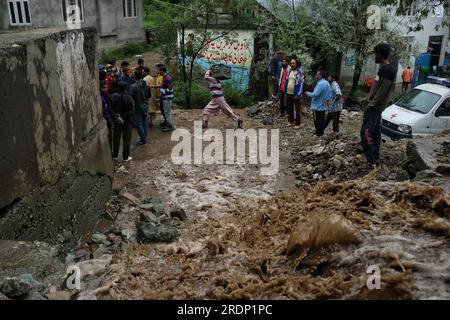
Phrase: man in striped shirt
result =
(217, 102)
(166, 90)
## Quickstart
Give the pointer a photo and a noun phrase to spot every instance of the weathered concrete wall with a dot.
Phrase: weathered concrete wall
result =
(55, 164)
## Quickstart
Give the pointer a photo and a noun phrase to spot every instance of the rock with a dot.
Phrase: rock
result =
(115, 230)
(427, 174)
(337, 163)
(146, 206)
(80, 254)
(321, 230)
(340, 147)
(100, 238)
(148, 217)
(15, 287)
(318, 150)
(317, 176)
(148, 233)
(94, 266)
(35, 285)
(99, 252)
(179, 213)
(3, 297)
(59, 295)
(158, 207)
(268, 121)
(401, 175)
(326, 174)
(129, 234)
(128, 196)
(253, 111)
(309, 168)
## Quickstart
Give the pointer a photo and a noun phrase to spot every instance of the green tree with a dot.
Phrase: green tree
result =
(192, 24)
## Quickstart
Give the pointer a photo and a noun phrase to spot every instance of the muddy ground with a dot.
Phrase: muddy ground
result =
(311, 231)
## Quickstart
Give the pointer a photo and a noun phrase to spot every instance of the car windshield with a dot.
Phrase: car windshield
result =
(419, 101)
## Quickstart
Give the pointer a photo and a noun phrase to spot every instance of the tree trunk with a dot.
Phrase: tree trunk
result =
(358, 70)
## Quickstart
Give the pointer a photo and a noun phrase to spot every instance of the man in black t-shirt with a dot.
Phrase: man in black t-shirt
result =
(377, 102)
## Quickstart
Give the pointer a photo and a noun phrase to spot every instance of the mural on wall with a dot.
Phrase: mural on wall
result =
(234, 50)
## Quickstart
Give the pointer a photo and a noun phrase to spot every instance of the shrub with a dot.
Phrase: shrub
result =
(200, 95)
(237, 98)
(125, 52)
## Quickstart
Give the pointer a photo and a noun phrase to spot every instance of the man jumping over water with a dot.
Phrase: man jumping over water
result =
(218, 102)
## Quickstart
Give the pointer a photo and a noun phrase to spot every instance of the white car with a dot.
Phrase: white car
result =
(425, 110)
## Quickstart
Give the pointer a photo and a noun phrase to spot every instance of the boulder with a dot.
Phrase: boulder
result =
(148, 217)
(100, 238)
(268, 121)
(147, 233)
(321, 230)
(15, 287)
(253, 111)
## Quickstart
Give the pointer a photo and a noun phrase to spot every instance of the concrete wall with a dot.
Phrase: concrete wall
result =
(105, 15)
(55, 168)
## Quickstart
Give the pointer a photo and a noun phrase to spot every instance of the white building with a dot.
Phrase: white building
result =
(432, 39)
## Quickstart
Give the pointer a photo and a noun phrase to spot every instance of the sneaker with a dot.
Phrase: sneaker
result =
(115, 159)
(128, 159)
(240, 122)
(167, 129)
(141, 143)
(274, 97)
(297, 127)
(163, 124)
(290, 125)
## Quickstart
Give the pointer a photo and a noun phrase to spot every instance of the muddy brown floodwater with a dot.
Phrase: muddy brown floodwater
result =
(249, 236)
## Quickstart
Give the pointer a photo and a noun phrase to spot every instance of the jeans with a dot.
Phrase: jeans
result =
(282, 103)
(294, 110)
(319, 122)
(371, 135)
(140, 123)
(122, 131)
(333, 116)
(167, 109)
(275, 86)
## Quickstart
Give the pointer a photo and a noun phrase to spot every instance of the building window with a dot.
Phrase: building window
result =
(129, 8)
(19, 12)
(78, 16)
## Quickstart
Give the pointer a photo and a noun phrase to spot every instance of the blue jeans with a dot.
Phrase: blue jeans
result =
(140, 123)
(276, 86)
(371, 135)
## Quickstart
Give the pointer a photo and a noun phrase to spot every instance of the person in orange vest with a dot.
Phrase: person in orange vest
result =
(407, 78)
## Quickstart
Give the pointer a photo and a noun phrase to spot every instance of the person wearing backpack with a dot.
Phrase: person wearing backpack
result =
(121, 111)
(140, 93)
